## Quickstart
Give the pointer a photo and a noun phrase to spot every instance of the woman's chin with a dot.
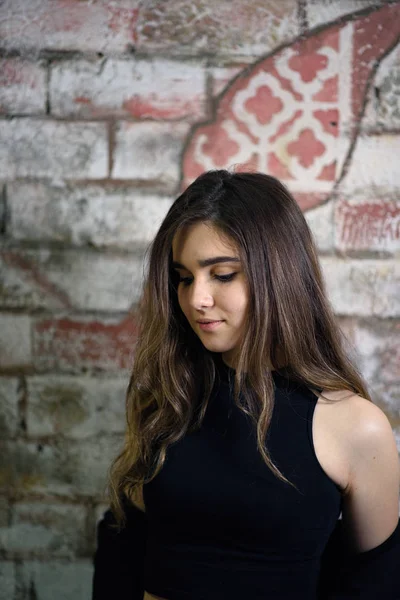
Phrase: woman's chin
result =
(214, 346)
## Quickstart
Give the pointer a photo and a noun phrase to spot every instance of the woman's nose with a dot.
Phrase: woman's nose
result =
(201, 296)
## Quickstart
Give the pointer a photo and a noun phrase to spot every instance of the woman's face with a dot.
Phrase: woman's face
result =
(212, 290)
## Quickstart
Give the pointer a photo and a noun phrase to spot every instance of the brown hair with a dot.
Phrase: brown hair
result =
(290, 324)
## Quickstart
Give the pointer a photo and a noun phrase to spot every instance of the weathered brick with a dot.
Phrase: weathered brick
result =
(9, 397)
(368, 224)
(7, 580)
(299, 136)
(320, 221)
(221, 76)
(61, 580)
(257, 126)
(83, 343)
(323, 11)
(374, 35)
(347, 326)
(44, 529)
(102, 26)
(378, 350)
(22, 87)
(225, 27)
(397, 438)
(76, 407)
(156, 89)
(5, 512)
(363, 287)
(70, 279)
(126, 218)
(100, 510)
(65, 468)
(382, 111)
(387, 397)
(149, 151)
(15, 341)
(22, 287)
(55, 150)
(373, 165)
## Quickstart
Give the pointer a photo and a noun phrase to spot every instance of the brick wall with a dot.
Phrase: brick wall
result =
(106, 109)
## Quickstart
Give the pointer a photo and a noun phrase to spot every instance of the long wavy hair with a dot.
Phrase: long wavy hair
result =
(290, 325)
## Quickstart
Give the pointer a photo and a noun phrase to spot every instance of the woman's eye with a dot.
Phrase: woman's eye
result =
(185, 280)
(227, 277)
(223, 278)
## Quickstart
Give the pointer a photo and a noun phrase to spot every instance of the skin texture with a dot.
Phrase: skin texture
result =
(203, 296)
(355, 446)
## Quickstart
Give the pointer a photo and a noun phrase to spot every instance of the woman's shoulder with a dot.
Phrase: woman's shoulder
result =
(346, 429)
(354, 417)
(371, 496)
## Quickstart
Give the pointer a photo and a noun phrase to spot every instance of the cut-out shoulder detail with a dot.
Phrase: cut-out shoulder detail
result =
(331, 434)
(337, 395)
(370, 508)
(341, 421)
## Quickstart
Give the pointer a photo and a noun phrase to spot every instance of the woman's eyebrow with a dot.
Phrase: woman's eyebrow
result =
(209, 261)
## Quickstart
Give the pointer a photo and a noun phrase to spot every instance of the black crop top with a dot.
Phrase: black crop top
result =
(221, 524)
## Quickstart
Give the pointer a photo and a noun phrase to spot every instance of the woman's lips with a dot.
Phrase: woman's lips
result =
(208, 325)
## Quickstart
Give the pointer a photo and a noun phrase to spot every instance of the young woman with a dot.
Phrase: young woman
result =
(249, 431)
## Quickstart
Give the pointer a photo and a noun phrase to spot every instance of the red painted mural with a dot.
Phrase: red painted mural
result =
(295, 114)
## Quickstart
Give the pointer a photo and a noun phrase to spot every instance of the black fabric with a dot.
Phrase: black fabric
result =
(371, 575)
(219, 525)
(119, 557)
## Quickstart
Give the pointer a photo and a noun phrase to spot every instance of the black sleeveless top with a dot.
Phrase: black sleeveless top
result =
(221, 524)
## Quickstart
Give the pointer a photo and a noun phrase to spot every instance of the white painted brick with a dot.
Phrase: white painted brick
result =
(21, 289)
(84, 343)
(382, 111)
(221, 76)
(363, 287)
(388, 398)
(26, 538)
(374, 164)
(96, 282)
(4, 512)
(73, 279)
(45, 529)
(379, 352)
(324, 11)
(100, 510)
(55, 150)
(9, 397)
(159, 89)
(397, 438)
(84, 215)
(103, 26)
(76, 407)
(57, 580)
(15, 341)
(368, 221)
(320, 221)
(7, 580)
(63, 469)
(226, 27)
(22, 87)
(147, 151)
